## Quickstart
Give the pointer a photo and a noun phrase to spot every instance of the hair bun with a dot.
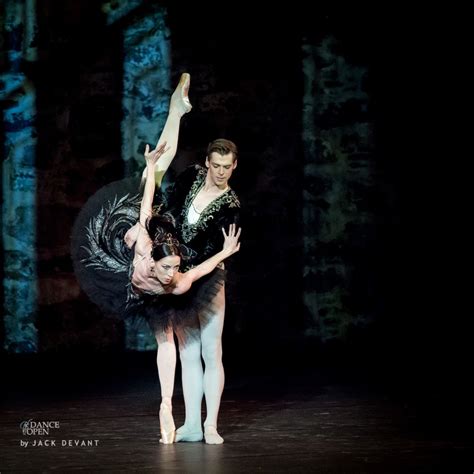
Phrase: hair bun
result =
(161, 225)
(162, 237)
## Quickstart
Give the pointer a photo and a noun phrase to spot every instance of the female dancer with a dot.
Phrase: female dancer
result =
(135, 280)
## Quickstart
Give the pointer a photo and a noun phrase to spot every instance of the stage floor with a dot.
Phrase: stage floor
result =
(279, 421)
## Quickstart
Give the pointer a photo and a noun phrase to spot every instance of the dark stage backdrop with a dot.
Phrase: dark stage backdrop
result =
(316, 103)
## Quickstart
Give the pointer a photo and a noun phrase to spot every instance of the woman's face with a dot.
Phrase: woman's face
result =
(166, 268)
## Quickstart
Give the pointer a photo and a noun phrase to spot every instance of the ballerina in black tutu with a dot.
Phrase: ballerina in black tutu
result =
(127, 257)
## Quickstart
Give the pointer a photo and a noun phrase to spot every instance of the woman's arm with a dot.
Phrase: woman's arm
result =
(137, 234)
(132, 235)
(231, 246)
(151, 158)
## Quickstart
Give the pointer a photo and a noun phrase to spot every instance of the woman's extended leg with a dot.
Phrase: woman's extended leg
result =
(179, 105)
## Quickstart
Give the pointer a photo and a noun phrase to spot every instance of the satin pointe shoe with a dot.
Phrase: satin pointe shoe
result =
(179, 99)
(167, 427)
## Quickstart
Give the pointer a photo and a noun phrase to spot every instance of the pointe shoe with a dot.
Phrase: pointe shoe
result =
(179, 99)
(167, 427)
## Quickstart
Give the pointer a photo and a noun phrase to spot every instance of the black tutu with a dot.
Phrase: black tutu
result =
(103, 264)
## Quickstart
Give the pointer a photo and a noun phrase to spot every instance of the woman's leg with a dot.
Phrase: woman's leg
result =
(211, 340)
(179, 105)
(166, 362)
(192, 380)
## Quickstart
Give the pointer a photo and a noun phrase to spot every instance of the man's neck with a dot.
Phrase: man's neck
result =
(212, 188)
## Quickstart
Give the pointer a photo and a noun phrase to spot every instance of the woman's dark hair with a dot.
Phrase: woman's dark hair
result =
(162, 231)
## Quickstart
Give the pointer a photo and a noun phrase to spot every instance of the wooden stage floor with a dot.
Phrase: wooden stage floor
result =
(279, 421)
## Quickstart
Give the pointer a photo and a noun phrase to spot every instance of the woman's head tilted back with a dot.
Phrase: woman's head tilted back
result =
(166, 250)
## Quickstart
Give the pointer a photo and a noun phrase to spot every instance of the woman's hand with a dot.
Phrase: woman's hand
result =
(151, 157)
(231, 240)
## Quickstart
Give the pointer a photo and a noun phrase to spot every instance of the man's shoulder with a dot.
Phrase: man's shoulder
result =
(193, 169)
(190, 174)
(233, 199)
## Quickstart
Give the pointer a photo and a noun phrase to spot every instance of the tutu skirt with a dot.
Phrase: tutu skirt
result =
(103, 264)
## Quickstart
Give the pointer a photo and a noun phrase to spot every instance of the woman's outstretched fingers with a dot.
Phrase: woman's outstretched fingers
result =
(232, 232)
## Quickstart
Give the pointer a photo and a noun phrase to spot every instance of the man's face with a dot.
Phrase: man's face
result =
(220, 168)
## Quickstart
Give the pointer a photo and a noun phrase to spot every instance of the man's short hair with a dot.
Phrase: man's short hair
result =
(223, 147)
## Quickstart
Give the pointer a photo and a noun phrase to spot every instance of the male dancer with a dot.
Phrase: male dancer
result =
(203, 204)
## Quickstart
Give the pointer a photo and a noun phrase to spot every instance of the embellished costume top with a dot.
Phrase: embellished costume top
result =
(204, 236)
